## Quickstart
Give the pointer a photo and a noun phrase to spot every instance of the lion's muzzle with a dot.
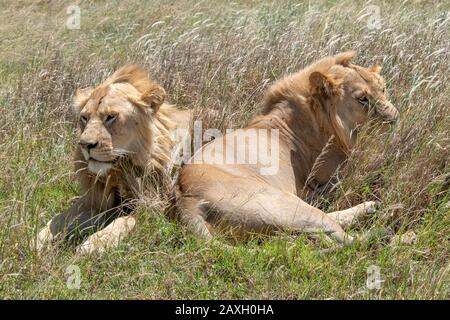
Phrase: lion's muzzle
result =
(387, 111)
(88, 144)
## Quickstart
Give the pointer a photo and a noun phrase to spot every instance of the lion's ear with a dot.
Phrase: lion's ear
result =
(376, 68)
(345, 58)
(154, 97)
(323, 84)
(81, 97)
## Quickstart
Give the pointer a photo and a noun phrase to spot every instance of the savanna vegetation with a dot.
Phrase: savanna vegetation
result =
(223, 55)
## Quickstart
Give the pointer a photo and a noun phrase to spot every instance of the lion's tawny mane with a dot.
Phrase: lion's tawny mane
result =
(125, 136)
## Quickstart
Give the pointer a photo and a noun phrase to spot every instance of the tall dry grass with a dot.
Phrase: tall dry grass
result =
(223, 56)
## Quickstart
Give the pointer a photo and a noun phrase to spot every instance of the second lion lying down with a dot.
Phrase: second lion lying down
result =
(318, 108)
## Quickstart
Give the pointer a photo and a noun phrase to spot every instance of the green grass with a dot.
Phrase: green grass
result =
(223, 56)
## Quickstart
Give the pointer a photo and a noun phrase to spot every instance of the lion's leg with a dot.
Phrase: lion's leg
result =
(76, 221)
(257, 207)
(348, 217)
(285, 211)
(67, 225)
(60, 224)
(193, 217)
(109, 237)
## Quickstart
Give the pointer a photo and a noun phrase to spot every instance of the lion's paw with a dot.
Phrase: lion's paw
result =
(371, 206)
(43, 238)
(109, 237)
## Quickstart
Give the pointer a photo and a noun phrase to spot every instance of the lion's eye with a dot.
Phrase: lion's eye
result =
(83, 119)
(364, 101)
(110, 119)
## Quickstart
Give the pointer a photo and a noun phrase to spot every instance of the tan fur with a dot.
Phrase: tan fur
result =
(114, 155)
(152, 143)
(317, 112)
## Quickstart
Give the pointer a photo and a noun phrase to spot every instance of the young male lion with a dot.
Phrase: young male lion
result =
(312, 113)
(125, 132)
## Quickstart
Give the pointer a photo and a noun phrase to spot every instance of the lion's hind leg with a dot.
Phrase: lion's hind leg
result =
(192, 216)
(251, 206)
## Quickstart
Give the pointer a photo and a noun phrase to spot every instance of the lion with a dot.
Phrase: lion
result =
(125, 133)
(309, 125)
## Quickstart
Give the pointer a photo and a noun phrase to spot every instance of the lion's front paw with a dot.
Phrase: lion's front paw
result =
(42, 239)
(92, 245)
(109, 237)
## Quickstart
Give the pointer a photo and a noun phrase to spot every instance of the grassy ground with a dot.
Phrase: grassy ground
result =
(223, 56)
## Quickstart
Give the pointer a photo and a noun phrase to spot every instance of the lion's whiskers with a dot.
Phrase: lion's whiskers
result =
(120, 152)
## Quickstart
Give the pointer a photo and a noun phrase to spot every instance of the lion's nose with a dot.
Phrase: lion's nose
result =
(88, 144)
(393, 112)
(387, 111)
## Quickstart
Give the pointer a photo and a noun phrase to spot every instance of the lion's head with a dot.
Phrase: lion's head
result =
(340, 94)
(355, 91)
(120, 118)
(351, 95)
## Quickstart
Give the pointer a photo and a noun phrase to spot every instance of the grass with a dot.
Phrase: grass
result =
(223, 56)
